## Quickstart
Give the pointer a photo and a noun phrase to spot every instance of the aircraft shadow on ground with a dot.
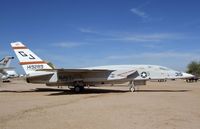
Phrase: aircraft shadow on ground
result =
(89, 91)
(32, 90)
(104, 91)
(162, 90)
(53, 91)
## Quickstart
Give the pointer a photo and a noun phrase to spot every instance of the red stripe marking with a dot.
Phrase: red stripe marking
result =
(19, 47)
(32, 62)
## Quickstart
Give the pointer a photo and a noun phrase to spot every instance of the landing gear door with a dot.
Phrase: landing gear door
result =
(54, 77)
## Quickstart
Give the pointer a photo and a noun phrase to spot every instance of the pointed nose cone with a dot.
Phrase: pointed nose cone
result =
(187, 75)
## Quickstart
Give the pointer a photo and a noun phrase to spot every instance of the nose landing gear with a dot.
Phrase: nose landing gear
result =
(131, 86)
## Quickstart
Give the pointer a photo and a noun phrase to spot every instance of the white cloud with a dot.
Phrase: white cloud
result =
(139, 13)
(153, 46)
(133, 37)
(175, 60)
(157, 37)
(87, 30)
(147, 37)
(68, 44)
(145, 16)
(156, 55)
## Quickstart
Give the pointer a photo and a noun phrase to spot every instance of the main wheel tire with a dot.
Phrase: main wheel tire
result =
(77, 89)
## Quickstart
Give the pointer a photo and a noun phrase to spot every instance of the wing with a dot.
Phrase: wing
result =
(69, 75)
(89, 76)
(75, 70)
(95, 73)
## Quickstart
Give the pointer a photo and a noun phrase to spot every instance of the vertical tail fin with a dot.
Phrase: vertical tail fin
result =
(29, 60)
(6, 61)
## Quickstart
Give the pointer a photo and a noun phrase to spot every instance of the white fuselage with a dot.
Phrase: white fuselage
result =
(147, 72)
(119, 74)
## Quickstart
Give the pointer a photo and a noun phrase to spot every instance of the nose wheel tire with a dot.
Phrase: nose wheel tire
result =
(132, 89)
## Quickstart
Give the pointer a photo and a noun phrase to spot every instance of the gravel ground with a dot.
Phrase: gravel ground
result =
(166, 105)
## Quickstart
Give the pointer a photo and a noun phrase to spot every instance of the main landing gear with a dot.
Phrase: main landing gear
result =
(131, 86)
(78, 86)
(78, 89)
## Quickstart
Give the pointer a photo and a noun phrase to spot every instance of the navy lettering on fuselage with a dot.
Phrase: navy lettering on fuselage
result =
(65, 78)
(179, 74)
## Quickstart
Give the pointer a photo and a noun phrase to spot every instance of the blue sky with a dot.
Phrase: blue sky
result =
(83, 33)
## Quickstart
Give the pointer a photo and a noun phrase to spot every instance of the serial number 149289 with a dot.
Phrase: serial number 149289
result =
(34, 67)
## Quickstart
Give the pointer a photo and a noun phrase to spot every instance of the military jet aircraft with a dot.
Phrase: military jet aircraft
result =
(38, 71)
(4, 66)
